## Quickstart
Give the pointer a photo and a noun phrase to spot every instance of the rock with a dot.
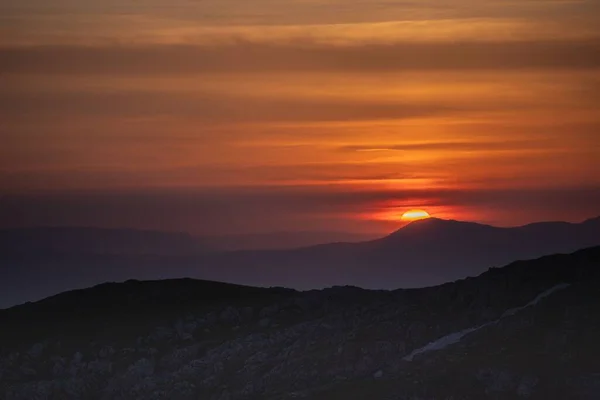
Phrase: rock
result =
(264, 323)
(302, 303)
(190, 327)
(161, 333)
(416, 330)
(59, 367)
(211, 318)
(247, 314)
(180, 328)
(496, 381)
(77, 358)
(74, 387)
(183, 389)
(36, 350)
(230, 316)
(106, 351)
(269, 311)
(179, 357)
(99, 367)
(258, 357)
(28, 371)
(189, 317)
(527, 386)
(587, 387)
(402, 347)
(141, 368)
(378, 374)
(489, 314)
(127, 351)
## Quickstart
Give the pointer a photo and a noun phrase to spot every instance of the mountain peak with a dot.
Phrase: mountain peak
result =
(431, 220)
(437, 227)
(434, 222)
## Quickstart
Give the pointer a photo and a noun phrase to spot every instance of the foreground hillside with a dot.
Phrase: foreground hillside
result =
(528, 330)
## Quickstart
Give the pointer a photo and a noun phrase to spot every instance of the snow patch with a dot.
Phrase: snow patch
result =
(535, 301)
(456, 337)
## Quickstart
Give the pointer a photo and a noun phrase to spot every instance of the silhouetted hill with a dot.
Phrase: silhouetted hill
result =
(280, 240)
(84, 240)
(527, 330)
(134, 295)
(134, 241)
(423, 253)
(592, 221)
(439, 227)
(126, 304)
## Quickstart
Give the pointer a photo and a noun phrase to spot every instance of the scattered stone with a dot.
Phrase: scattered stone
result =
(264, 323)
(230, 316)
(36, 350)
(527, 386)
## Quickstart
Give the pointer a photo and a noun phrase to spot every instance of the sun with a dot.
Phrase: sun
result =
(413, 215)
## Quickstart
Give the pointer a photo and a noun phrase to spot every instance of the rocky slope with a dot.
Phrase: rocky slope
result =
(528, 330)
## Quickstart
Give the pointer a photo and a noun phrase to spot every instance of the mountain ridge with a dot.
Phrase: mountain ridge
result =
(99, 240)
(424, 253)
(439, 222)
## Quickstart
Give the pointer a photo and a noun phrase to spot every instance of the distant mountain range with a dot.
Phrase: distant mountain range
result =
(85, 240)
(423, 253)
(528, 330)
(139, 242)
(39, 263)
(280, 240)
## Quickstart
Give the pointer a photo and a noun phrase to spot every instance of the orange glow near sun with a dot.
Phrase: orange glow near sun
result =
(413, 215)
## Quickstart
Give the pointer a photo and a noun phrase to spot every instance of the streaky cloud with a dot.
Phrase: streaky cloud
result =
(246, 57)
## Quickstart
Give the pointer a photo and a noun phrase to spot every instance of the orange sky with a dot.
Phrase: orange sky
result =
(323, 114)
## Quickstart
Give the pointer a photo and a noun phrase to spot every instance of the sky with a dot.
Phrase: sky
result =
(236, 116)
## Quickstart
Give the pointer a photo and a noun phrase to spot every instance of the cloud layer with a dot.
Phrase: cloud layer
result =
(332, 112)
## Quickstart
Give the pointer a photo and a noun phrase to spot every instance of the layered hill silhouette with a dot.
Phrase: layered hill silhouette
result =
(142, 242)
(423, 253)
(86, 240)
(525, 331)
(279, 240)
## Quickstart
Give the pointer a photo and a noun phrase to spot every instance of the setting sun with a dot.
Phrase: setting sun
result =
(413, 215)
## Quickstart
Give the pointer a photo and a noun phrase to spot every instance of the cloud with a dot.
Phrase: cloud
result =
(211, 107)
(291, 100)
(304, 56)
(499, 145)
(212, 211)
(181, 20)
